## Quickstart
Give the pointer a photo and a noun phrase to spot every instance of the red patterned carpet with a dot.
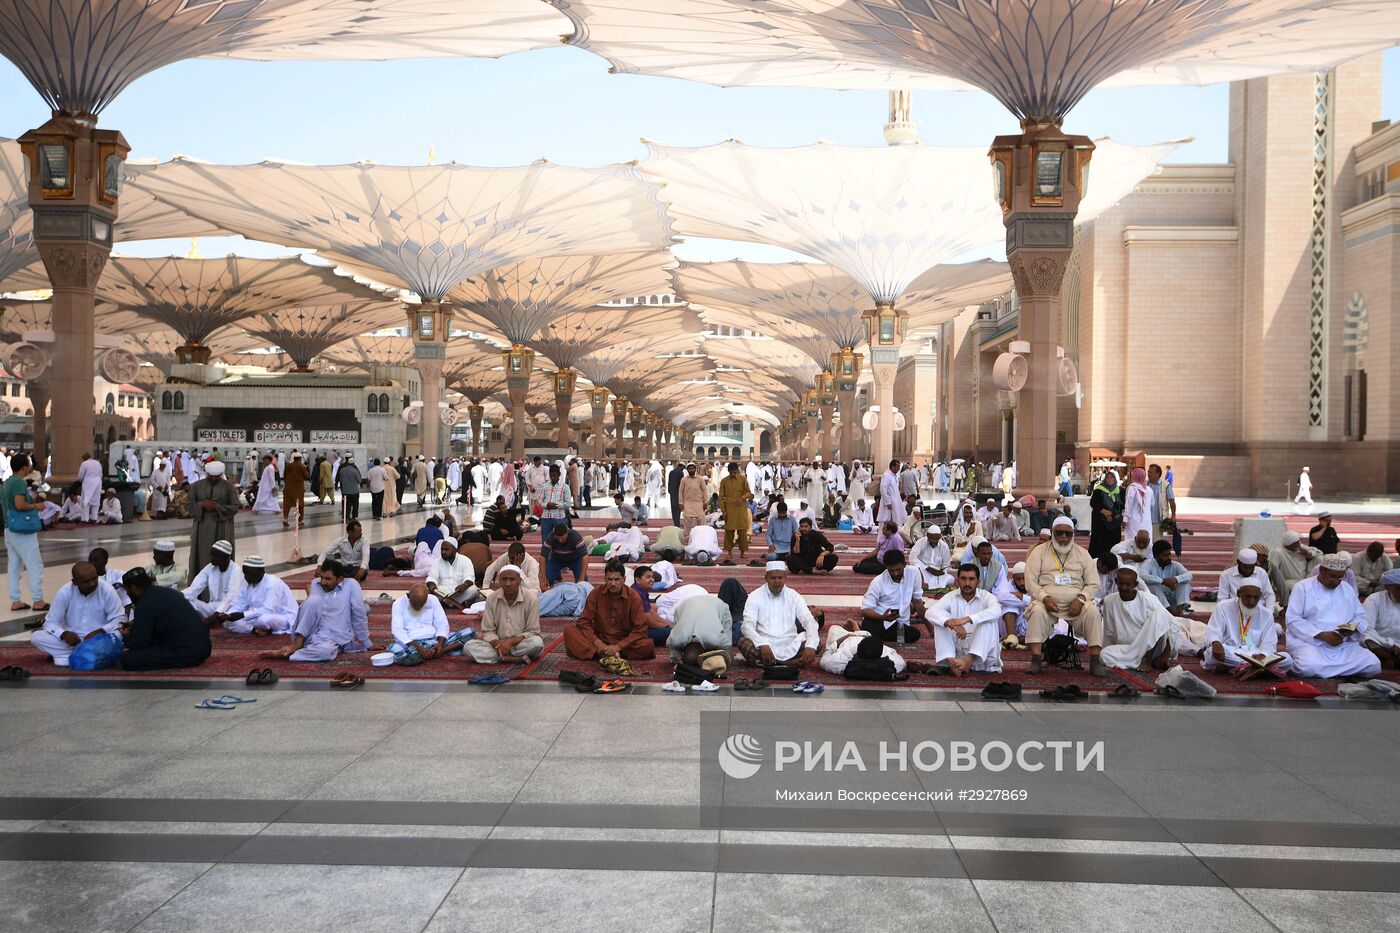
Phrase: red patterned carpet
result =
(1204, 553)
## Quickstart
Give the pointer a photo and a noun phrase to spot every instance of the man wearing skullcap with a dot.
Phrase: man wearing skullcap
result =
(213, 504)
(216, 583)
(263, 605)
(1381, 633)
(1137, 630)
(163, 570)
(109, 510)
(294, 489)
(1247, 568)
(510, 626)
(452, 577)
(1290, 562)
(165, 631)
(1324, 618)
(1242, 627)
(778, 628)
(1062, 580)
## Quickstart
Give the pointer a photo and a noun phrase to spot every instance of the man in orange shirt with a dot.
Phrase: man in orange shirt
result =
(612, 623)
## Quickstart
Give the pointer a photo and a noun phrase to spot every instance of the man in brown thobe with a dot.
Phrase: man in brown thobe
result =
(612, 623)
(294, 489)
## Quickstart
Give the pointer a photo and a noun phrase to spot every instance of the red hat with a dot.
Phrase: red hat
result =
(1296, 690)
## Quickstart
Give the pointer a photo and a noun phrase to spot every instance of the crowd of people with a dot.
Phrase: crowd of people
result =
(1124, 600)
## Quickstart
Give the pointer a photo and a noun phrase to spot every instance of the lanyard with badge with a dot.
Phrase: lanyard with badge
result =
(1244, 624)
(1062, 578)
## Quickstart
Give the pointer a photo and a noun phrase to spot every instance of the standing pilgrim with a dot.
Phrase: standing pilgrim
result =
(267, 488)
(90, 476)
(891, 505)
(214, 503)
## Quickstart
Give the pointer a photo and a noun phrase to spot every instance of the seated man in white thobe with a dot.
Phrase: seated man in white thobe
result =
(1137, 550)
(515, 556)
(1381, 634)
(844, 641)
(703, 545)
(627, 541)
(98, 557)
(966, 526)
(333, 619)
(1015, 600)
(1022, 517)
(1369, 566)
(893, 599)
(72, 509)
(452, 577)
(1168, 580)
(1246, 567)
(1137, 630)
(1241, 628)
(510, 625)
(109, 510)
(263, 605)
(1002, 525)
(1324, 622)
(214, 587)
(862, 518)
(930, 553)
(83, 608)
(1290, 562)
(778, 628)
(966, 626)
(418, 620)
(805, 511)
(163, 570)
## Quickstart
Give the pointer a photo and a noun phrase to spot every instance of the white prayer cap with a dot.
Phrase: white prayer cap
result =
(111, 490)
(448, 539)
(1063, 522)
(773, 565)
(223, 547)
(510, 568)
(976, 541)
(1248, 556)
(215, 468)
(1249, 583)
(254, 561)
(1338, 561)
(1016, 504)
(165, 546)
(933, 530)
(1324, 514)
(1291, 537)
(1019, 567)
(1045, 532)
(1391, 577)
(1128, 566)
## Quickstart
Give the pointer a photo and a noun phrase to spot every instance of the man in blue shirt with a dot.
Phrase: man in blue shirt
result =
(430, 534)
(781, 529)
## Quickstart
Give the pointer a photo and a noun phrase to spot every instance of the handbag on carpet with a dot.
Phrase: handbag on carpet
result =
(96, 653)
(782, 672)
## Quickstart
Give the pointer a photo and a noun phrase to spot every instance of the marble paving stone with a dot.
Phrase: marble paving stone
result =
(1035, 844)
(1304, 911)
(382, 776)
(514, 735)
(249, 774)
(360, 704)
(849, 839)
(73, 774)
(803, 903)
(17, 727)
(104, 733)
(588, 780)
(480, 707)
(1167, 793)
(583, 739)
(286, 736)
(166, 827)
(493, 899)
(1050, 907)
(305, 898)
(606, 834)
(415, 831)
(88, 896)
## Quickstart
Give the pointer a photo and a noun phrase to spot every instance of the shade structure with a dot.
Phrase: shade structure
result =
(424, 228)
(883, 216)
(551, 303)
(1038, 57)
(142, 218)
(79, 54)
(307, 331)
(601, 365)
(368, 352)
(766, 358)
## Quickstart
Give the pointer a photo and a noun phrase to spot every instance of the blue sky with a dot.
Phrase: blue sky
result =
(562, 104)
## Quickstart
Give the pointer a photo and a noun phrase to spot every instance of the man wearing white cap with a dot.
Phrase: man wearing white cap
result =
(967, 626)
(1324, 619)
(83, 607)
(452, 578)
(418, 620)
(109, 510)
(1291, 562)
(1015, 602)
(930, 553)
(213, 503)
(1246, 568)
(1062, 580)
(1381, 633)
(778, 628)
(510, 626)
(263, 605)
(1137, 631)
(1241, 628)
(163, 570)
(216, 583)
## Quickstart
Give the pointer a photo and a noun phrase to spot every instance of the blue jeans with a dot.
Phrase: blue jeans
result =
(565, 599)
(23, 553)
(554, 570)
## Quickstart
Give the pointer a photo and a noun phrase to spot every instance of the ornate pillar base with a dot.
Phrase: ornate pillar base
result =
(518, 388)
(884, 364)
(562, 405)
(850, 424)
(430, 374)
(600, 437)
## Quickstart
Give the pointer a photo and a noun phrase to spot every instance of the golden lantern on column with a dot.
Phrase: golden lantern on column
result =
(811, 404)
(519, 361)
(826, 388)
(598, 397)
(564, 382)
(845, 369)
(884, 326)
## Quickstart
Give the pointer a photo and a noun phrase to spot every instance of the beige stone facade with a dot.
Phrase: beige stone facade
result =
(1232, 320)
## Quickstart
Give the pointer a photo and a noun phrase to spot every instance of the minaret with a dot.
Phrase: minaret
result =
(901, 130)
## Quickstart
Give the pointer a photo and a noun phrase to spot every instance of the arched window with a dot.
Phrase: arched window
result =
(373, 406)
(111, 404)
(384, 402)
(179, 401)
(165, 401)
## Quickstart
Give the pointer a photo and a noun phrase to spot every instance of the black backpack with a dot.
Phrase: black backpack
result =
(879, 670)
(1063, 651)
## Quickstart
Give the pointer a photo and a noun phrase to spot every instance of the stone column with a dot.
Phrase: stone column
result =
(565, 380)
(827, 447)
(74, 186)
(598, 399)
(39, 397)
(519, 364)
(1039, 175)
(428, 324)
(476, 413)
(619, 406)
(884, 364)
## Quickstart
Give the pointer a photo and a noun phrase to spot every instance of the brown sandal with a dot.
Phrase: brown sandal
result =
(347, 681)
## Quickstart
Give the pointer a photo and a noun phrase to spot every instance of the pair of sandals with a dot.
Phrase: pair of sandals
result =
(13, 673)
(744, 683)
(1065, 693)
(227, 701)
(611, 686)
(260, 677)
(37, 607)
(703, 686)
(1002, 690)
(347, 681)
(808, 686)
